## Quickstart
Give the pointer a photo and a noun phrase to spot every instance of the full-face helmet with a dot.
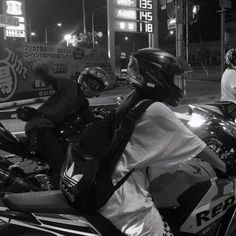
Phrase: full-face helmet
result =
(230, 58)
(92, 81)
(153, 71)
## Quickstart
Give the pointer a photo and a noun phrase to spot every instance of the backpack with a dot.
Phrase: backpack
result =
(86, 173)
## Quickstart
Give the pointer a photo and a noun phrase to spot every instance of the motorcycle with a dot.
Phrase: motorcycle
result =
(193, 200)
(23, 171)
(214, 125)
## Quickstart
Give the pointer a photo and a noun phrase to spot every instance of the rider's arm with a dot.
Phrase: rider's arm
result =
(209, 156)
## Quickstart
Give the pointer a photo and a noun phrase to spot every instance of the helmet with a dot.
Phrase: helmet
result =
(153, 70)
(92, 81)
(230, 58)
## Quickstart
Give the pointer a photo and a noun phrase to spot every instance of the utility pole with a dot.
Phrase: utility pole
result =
(179, 27)
(187, 30)
(84, 16)
(153, 37)
(222, 41)
(111, 34)
(224, 4)
(179, 13)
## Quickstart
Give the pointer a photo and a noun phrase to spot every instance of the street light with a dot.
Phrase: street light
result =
(67, 37)
(93, 32)
(46, 30)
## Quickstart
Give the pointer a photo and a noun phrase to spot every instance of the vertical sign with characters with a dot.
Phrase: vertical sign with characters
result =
(16, 9)
(8, 81)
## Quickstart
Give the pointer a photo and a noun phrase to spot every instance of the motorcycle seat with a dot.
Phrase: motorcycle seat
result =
(38, 202)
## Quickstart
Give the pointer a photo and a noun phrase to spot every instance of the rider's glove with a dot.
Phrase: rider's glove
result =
(231, 166)
(220, 174)
(230, 163)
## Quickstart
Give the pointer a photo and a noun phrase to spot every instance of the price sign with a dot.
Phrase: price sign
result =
(145, 27)
(132, 26)
(133, 15)
(125, 3)
(145, 4)
(145, 15)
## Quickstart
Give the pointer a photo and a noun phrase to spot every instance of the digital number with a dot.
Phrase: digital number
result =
(149, 28)
(145, 4)
(145, 15)
(145, 27)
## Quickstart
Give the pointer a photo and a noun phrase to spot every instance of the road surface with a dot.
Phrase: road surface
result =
(197, 92)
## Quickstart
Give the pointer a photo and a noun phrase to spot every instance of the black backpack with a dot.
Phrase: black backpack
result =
(86, 174)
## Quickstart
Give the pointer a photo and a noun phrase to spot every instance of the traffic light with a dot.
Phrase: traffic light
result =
(195, 10)
(193, 13)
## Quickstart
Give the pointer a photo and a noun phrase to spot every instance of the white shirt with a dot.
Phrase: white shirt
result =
(228, 85)
(160, 139)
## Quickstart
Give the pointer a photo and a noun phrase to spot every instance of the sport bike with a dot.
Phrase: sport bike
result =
(213, 124)
(21, 170)
(193, 200)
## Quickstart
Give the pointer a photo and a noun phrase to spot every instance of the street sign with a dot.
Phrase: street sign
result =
(225, 4)
(171, 23)
(8, 21)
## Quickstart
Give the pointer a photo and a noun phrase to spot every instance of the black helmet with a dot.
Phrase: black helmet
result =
(92, 81)
(153, 71)
(230, 58)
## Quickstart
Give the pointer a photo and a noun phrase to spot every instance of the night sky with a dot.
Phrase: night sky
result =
(46, 12)
(69, 12)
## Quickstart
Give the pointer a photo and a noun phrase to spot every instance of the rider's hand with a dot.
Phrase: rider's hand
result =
(231, 165)
(220, 174)
(40, 68)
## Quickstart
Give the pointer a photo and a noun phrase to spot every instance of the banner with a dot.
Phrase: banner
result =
(16, 58)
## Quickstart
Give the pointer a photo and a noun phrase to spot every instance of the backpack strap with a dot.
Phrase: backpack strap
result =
(125, 130)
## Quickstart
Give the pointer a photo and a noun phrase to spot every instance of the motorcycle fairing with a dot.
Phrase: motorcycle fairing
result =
(56, 224)
(219, 198)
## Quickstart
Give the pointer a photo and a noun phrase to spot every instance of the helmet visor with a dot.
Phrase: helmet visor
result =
(133, 73)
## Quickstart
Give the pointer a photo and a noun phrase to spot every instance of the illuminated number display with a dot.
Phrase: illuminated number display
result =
(145, 4)
(132, 26)
(133, 15)
(145, 15)
(145, 27)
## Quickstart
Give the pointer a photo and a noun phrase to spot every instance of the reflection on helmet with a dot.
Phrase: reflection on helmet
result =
(153, 71)
(230, 57)
(93, 81)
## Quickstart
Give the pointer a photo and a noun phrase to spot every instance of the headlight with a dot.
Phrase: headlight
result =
(196, 120)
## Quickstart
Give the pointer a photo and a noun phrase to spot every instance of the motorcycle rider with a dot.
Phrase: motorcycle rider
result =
(159, 139)
(228, 82)
(69, 97)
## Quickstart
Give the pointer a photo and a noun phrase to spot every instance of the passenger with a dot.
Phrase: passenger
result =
(159, 139)
(228, 82)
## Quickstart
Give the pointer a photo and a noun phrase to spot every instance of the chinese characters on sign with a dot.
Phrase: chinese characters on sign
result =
(5, 80)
